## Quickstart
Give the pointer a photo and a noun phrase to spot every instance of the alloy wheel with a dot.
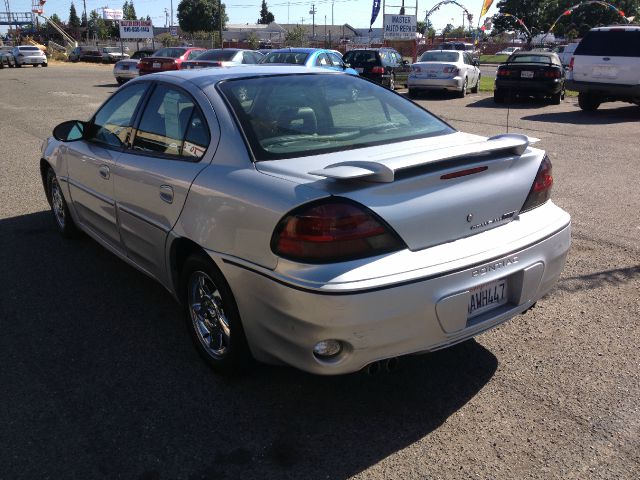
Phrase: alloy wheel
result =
(208, 317)
(57, 203)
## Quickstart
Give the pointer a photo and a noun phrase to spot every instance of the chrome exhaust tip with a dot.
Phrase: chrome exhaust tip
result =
(373, 369)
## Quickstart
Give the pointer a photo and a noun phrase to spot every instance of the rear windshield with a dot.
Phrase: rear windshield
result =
(287, 116)
(440, 57)
(220, 55)
(361, 59)
(170, 52)
(29, 49)
(111, 49)
(141, 54)
(529, 59)
(612, 43)
(293, 58)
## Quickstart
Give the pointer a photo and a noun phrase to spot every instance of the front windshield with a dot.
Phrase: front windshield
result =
(439, 57)
(218, 55)
(293, 58)
(170, 52)
(110, 49)
(287, 116)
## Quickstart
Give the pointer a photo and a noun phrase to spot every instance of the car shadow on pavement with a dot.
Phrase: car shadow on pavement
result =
(107, 85)
(603, 116)
(100, 380)
(519, 103)
(591, 281)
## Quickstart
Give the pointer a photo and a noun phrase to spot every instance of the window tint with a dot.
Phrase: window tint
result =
(614, 43)
(170, 52)
(194, 54)
(294, 58)
(323, 61)
(436, 56)
(166, 121)
(336, 60)
(364, 58)
(289, 116)
(112, 124)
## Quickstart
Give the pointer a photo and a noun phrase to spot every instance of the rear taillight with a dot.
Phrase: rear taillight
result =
(333, 230)
(172, 65)
(571, 64)
(451, 70)
(541, 189)
(503, 73)
(378, 70)
(138, 66)
(552, 74)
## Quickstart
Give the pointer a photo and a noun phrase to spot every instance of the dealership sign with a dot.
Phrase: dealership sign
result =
(136, 29)
(112, 14)
(400, 27)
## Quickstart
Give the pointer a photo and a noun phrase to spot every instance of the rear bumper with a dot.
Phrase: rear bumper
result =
(605, 89)
(31, 60)
(416, 308)
(451, 84)
(541, 88)
(125, 74)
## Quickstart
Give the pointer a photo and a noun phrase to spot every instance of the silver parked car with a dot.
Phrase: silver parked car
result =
(444, 70)
(301, 229)
(113, 54)
(29, 55)
(127, 69)
(223, 57)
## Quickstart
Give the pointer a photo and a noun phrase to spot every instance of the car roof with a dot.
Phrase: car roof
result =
(629, 28)
(204, 77)
(297, 50)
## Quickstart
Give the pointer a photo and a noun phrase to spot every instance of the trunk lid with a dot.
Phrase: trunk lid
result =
(434, 70)
(409, 192)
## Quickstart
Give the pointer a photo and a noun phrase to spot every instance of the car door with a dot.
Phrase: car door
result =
(402, 68)
(154, 175)
(91, 161)
(322, 60)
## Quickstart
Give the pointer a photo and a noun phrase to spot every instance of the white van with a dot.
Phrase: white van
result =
(605, 66)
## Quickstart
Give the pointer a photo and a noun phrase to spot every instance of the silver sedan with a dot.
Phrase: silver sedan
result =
(300, 228)
(444, 70)
(127, 69)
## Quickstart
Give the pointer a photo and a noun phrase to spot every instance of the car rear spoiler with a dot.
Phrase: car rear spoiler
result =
(384, 171)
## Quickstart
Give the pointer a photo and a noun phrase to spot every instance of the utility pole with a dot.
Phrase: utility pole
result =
(312, 12)
(332, 13)
(171, 19)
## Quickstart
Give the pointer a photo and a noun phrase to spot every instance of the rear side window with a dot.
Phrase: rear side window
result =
(172, 125)
(612, 43)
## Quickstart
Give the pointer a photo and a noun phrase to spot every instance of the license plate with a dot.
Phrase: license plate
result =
(486, 297)
(526, 74)
(359, 69)
(156, 64)
(605, 71)
(125, 67)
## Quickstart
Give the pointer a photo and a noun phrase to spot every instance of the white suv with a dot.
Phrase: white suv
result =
(605, 66)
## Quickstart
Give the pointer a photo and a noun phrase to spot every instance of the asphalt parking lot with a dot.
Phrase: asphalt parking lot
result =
(99, 379)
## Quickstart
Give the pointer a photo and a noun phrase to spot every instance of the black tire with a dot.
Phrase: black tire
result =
(120, 81)
(463, 92)
(392, 82)
(476, 89)
(45, 64)
(498, 96)
(413, 93)
(556, 98)
(18, 65)
(217, 318)
(587, 102)
(59, 208)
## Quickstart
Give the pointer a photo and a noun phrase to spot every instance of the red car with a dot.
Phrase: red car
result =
(169, 58)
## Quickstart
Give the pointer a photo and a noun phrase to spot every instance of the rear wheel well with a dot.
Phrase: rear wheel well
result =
(181, 249)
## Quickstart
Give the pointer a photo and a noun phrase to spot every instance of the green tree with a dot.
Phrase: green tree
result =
(129, 11)
(56, 19)
(168, 40)
(195, 15)
(253, 40)
(97, 26)
(74, 21)
(266, 17)
(297, 37)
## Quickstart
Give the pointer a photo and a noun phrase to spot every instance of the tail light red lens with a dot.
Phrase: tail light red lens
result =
(377, 70)
(571, 64)
(552, 74)
(451, 70)
(333, 230)
(503, 73)
(172, 65)
(541, 189)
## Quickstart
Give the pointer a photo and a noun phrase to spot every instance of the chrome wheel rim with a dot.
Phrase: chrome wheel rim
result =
(57, 202)
(208, 316)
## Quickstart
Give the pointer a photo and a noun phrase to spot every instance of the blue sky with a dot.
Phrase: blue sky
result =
(357, 13)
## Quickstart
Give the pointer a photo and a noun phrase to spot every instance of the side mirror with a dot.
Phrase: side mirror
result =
(476, 63)
(69, 131)
(405, 62)
(346, 65)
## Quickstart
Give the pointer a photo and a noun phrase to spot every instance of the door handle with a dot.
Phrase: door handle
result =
(166, 193)
(104, 172)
